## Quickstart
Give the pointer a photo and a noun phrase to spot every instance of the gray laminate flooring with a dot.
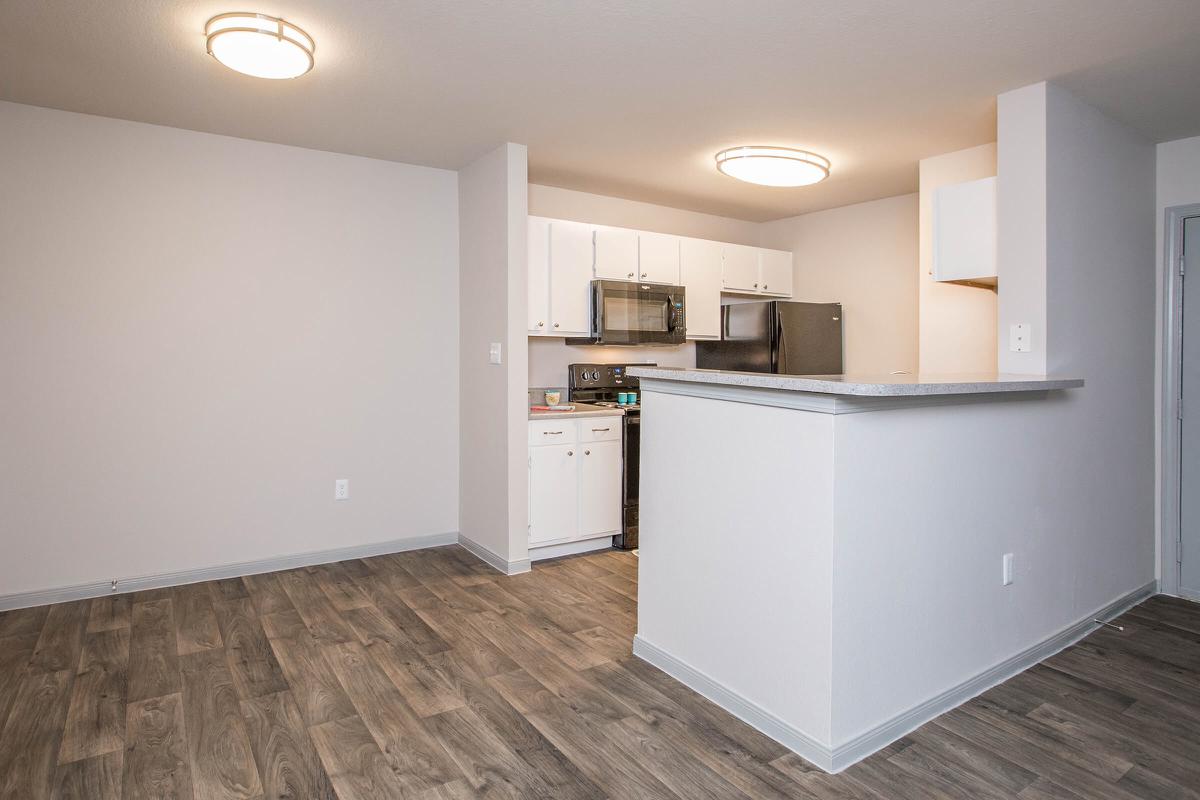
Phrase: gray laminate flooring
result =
(428, 675)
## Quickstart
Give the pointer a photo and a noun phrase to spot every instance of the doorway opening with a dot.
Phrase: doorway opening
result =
(1179, 544)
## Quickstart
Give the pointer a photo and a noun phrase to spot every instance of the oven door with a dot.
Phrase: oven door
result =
(637, 313)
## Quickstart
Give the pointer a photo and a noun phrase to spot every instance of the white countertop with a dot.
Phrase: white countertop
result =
(581, 410)
(865, 385)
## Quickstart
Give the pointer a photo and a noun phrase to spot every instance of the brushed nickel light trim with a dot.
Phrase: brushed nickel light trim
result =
(282, 31)
(767, 165)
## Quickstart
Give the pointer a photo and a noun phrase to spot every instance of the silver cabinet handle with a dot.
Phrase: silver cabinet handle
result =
(630, 275)
(556, 324)
(587, 452)
(570, 452)
(551, 433)
(643, 274)
(756, 286)
(764, 286)
(540, 324)
(601, 430)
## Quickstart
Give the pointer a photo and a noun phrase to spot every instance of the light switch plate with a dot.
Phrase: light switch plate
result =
(1020, 337)
(494, 354)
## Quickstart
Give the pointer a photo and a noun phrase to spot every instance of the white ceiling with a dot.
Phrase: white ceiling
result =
(624, 97)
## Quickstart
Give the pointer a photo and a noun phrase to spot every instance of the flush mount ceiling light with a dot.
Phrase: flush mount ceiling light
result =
(773, 166)
(259, 45)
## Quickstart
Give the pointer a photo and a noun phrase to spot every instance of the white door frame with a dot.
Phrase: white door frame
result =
(1169, 430)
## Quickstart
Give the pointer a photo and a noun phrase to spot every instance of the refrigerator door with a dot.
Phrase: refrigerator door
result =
(746, 340)
(809, 338)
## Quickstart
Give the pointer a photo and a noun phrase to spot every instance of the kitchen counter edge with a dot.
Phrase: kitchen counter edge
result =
(864, 385)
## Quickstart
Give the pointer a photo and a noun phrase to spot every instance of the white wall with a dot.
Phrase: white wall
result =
(493, 509)
(200, 334)
(549, 356)
(1021, 225)
(957, 322)
(865, 257)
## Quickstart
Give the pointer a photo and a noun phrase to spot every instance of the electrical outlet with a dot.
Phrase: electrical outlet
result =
(1020, 337)
(341, 489)
(1007, 569)
(494, 356)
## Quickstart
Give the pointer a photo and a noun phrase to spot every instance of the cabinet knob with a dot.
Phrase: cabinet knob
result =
(587, 452)
(570, 452)
(756, 286)
(764, 286)
(541, 324)
(643, 274)
(556, 324)
(630, 275)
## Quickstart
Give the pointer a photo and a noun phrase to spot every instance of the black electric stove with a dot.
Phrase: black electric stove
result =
(600, 384)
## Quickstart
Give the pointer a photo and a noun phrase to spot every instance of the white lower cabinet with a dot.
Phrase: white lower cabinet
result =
(553, 493)
(599, 488)
(574, 487)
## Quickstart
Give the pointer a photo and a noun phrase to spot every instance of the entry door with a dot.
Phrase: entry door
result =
(1189, 449)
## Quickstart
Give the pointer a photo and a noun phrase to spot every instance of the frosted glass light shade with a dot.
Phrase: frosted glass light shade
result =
(773, 166)
(260, 45)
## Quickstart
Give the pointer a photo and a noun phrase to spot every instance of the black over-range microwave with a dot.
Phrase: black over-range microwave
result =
(632, 313)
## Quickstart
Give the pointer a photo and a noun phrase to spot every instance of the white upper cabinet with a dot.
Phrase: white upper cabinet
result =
(571, 258)
(564, 257)
(741, 268)
(539, 275)
(616, 254)
(775, 274)
(700, 275)
(964, 232)
(658, 258)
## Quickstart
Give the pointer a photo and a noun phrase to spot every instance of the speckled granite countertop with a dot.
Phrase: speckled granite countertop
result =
(581, 410)
(864, 385)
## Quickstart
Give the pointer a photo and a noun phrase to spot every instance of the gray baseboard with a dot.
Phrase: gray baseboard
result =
(752, 714)
(836, 759)
(99, 588)
(492, 559)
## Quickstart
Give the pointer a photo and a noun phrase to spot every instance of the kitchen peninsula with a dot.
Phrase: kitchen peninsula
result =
(837, 559)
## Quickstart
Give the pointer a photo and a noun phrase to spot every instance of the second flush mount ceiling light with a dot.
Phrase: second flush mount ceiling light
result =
(773, 166)
(260, 45)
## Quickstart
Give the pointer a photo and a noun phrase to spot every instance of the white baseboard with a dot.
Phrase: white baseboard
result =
(836, 759)
(570, 548)
(492, 559)
(1187, 594)
(83, 591)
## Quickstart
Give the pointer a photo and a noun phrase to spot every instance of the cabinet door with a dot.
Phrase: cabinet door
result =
(776, 272)
(740, 268)
(553, 493)
(658, 257)
(700, 274)
(616, 254)
(964, 231)
(539, 275)
(599, 488)
(571, 256)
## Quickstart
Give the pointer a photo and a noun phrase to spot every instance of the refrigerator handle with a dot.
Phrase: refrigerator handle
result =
(780, 344)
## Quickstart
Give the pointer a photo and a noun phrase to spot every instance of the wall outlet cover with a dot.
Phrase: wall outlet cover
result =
(1020, 337)
(1007, 569)
(341, 489)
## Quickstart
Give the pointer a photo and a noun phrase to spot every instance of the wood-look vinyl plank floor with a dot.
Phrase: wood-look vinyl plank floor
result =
(428, 675)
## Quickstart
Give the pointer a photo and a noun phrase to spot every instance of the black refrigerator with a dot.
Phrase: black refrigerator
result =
(776, 336)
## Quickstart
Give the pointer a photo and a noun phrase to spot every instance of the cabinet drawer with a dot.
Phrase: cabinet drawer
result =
(600, 429)
(551, 431)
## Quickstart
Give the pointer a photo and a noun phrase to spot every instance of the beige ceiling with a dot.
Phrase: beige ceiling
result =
(624, 97)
